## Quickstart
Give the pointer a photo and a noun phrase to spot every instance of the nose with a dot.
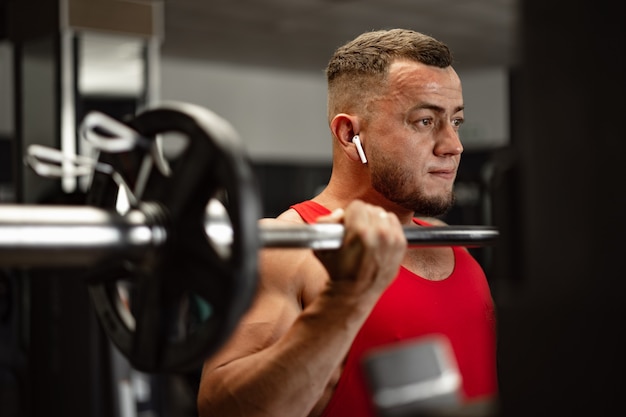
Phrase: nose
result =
(448, 142)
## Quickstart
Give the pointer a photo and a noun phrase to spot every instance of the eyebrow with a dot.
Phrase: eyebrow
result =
(436, 108)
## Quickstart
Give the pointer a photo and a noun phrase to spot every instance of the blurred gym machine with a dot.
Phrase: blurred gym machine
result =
(54, 358)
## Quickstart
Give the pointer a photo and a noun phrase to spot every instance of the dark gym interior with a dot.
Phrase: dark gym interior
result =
(556, 194)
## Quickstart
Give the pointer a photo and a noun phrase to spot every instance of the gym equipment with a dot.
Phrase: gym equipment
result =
(168, 245)
(419, 377)
(43, 236)
(413, 375)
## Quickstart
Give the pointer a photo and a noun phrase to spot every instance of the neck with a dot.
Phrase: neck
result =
(340, 192)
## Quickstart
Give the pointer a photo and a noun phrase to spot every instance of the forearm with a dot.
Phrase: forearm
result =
(289, 377)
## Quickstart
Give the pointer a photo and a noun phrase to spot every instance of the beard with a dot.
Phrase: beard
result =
(390, 181)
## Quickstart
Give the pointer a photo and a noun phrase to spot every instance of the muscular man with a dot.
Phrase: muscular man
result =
(395, 106)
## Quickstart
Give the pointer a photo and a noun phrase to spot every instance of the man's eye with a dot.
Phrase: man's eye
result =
(457, 122)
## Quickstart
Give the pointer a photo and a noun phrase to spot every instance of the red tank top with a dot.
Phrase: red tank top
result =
(459, 307)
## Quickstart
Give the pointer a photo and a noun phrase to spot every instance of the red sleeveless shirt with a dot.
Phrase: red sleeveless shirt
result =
(459, 307)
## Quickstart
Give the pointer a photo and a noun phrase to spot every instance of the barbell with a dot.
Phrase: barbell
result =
(69, 236)
(171, 271)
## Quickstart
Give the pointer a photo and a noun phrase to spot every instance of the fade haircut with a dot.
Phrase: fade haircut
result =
(357, 71)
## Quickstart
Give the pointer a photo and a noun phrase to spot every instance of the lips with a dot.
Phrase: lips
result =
(448, 173)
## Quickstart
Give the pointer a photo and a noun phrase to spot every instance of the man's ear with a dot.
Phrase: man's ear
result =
(344, 127)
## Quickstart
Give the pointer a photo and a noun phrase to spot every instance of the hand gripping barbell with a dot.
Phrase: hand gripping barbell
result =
(171, 275)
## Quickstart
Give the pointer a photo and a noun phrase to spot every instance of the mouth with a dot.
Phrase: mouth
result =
(448, 174)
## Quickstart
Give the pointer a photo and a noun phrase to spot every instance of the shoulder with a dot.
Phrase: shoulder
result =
(285, 218)
(288, 271)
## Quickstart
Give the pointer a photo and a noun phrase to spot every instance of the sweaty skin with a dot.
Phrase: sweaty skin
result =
(286, 356)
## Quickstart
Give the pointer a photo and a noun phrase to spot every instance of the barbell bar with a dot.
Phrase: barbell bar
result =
(49, 236)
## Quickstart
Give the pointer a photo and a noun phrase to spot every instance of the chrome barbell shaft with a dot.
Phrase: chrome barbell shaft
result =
(35, 235)
(330, 236)
(69, 236)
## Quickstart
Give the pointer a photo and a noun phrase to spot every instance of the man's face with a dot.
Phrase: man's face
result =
(414, 148)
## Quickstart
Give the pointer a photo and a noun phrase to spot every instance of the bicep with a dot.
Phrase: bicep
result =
(275, 307)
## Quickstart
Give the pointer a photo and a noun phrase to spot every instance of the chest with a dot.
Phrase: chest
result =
(433, 264)
(458, 306)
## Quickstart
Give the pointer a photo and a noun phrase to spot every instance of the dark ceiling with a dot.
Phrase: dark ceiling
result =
(302, 34)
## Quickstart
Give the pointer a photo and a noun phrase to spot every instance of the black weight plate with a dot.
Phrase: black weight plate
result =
(185, 299)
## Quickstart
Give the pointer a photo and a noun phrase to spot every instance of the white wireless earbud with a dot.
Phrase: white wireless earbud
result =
(357, 142)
